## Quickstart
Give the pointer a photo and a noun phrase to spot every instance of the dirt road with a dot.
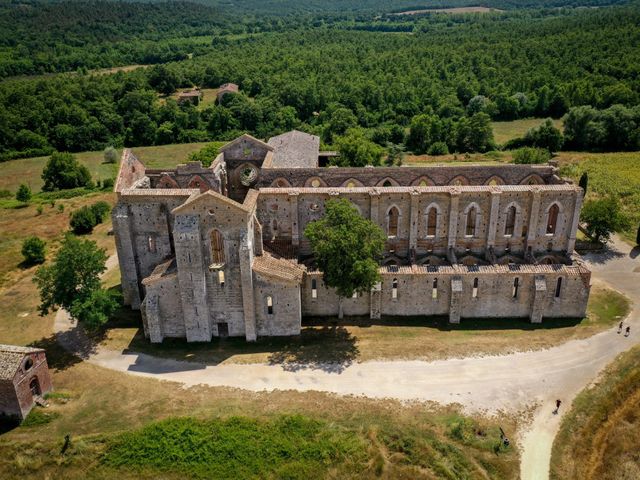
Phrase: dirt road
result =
(510, 383)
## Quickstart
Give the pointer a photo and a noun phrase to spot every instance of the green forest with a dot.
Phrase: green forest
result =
(427, 82)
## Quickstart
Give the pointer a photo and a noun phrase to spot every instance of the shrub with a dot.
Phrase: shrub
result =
(529, 155)
(100, 209)
(110, 155)
(107, 183)
(39, 210)
(83, 220)
(438, 148)
(60, 208)
(5, 194)
(63, 171)
(24, 193)
(33, 250)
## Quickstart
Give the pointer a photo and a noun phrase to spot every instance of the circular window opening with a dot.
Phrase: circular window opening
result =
(28, 364)
(274, 207)
(211, 212)
(314, 207)
(315, 183)
(248, 176)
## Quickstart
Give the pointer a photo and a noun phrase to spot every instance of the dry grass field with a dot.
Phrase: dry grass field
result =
(599, 437)
(505, 131)
(29, 170)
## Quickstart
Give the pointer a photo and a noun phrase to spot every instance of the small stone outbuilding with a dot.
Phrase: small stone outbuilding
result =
(24, 377)
(226, 88)
(190, 96)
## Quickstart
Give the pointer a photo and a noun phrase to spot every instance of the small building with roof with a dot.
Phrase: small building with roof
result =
(226, 88)
(190, 96)
(24, 378)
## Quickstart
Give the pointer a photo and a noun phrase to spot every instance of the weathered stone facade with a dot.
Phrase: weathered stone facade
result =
(220, 251)
(24, 376)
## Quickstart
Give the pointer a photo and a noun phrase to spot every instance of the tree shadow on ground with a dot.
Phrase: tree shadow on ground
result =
(331, 348)
(604, 256)
(58, 357)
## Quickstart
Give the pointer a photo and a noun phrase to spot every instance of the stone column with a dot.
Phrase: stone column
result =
(191, 277)
(493, 216)
(126, 256)
(375, 306)
(533, 216)
(538, 304)
(453, 217)
(571, 242)
(375, 205)
(248, 299)
(151, 314)
(293, 203)
(414, 215)
(455, 306)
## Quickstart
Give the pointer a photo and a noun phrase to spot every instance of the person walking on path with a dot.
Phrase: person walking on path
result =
(620, 326)
(627, 331)
(558, 403)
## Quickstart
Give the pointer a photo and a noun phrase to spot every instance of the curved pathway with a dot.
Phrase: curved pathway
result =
(510, 383)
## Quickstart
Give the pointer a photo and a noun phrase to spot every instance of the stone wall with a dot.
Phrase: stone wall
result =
(411, 176)
(284, 214)
(16, 399)
(287, 313)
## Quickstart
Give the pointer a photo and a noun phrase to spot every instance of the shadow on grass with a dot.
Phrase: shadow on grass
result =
(441, 323)
(58, 357)
(330, 348)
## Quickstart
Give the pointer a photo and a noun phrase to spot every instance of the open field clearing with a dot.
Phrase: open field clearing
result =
(28, 170)
(616, 174)
(453, 10)
(599, 437)
(505, 131)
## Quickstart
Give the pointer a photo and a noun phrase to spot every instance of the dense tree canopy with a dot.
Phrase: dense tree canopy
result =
(442, 77)
(347, 247)
(63, 171)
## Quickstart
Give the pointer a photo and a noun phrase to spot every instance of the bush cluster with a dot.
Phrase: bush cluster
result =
(83, 220)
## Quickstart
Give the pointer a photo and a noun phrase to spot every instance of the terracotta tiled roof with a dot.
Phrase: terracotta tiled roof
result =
(284, 269)
(10, 359)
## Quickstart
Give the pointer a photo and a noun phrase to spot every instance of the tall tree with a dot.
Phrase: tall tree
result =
(63, 171)
(74, 275)
(347, 248)
(603, 217)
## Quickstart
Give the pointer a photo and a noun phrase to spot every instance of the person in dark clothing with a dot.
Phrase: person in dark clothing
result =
(558, 403)
(628, 331)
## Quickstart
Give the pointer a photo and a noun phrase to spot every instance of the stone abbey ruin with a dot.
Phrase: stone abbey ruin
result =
(220, 251)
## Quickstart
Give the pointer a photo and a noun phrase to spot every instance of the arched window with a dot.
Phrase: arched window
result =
(387, 183)
(221, 278)
(392, 222)
(471, 222)
(274, 228)
(269, 302)
(434, 289)
(432, 222)
(34, 386)
(314, 288)
(516, 285)
(217, 247)
(552, 219)
(474, 292)
(394, 289)
(510, 223)
(558, 287)
(152, 244)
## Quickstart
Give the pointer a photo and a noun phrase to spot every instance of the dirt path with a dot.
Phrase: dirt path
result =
(509, 383)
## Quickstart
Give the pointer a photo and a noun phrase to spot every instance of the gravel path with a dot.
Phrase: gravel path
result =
(511, 383)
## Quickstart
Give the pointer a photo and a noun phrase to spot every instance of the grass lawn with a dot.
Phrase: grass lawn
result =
(505, 131)
(616, 174)
(599, 437)
(29, 170)
(352, 340)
